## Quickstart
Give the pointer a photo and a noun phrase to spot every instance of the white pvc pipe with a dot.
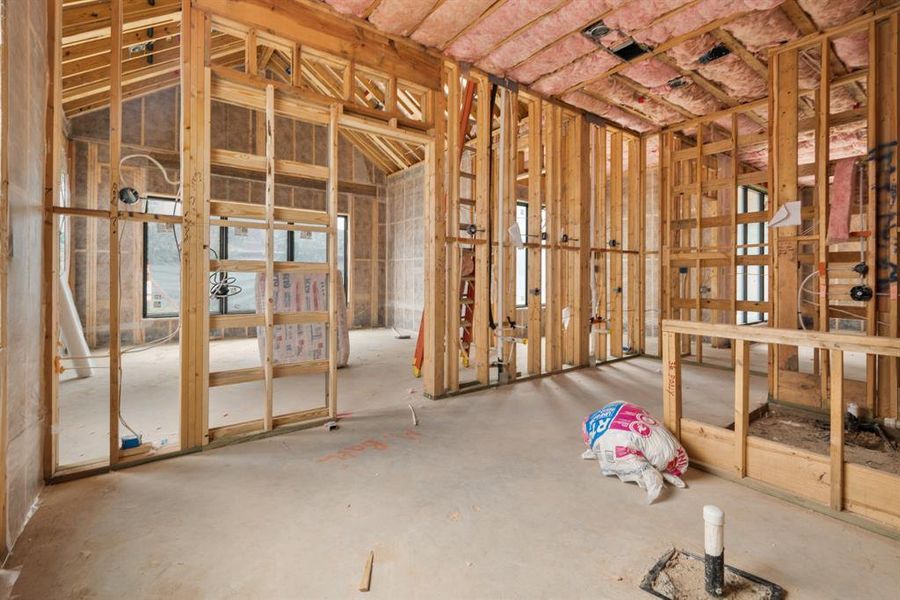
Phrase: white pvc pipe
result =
(713, 530)
(70, 331)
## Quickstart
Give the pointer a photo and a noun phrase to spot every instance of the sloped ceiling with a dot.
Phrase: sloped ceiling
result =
(541, 43)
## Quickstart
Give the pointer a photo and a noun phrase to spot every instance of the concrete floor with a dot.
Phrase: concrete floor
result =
(486, 498)
(379, 374)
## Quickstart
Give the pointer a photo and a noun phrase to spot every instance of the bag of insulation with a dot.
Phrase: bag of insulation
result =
(629, 443)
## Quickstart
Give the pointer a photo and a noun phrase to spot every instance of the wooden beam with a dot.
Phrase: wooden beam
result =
(615, 323)
(836, 428)
(115, 152)
(435, 223)
(269, 341)
(535, 206)
(331, 203)
(315, 26)
(741, 405)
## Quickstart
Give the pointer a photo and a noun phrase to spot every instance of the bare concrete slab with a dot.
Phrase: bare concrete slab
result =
(486, 498)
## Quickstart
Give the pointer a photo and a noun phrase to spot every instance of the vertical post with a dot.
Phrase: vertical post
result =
(874, 91)
(642, 247)
(50, 244)
(698, 265)
(784, 158)
(452, 159)
(601, 255)
(250, 53)
(837, 429)
(509, 171)
(741, 405)
(616, 315)
(535, 164)
(435, 255)
(195, 231)
(635, 217)
(823, 139)
(270, 256)
(115, 152)
(665, 274)
(332, 206)
(581, 319)
(732, 235)
(552, 324)
(671, 358)
(480, 327)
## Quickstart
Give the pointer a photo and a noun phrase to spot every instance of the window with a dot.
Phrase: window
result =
(752, 281)
(522, 283)
(162, 262)
(162, 259)
(522, 256)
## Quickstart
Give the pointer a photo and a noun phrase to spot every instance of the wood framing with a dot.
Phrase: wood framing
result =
(829, 481)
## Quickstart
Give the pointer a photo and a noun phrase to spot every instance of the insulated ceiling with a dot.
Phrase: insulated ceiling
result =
(694, 56)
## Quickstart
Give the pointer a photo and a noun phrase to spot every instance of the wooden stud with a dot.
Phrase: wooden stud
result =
(836, 443)
(784, 158)
(600, 258)
(269, 355)
(454, 150)
(741, 405)
(331, 202)
(616, 313)
(635, 216)
(671, 359)
(823, 139)
(435, 257)
(115, 152)
(480, 327)
(581, 305)
(535, 204)
(553, 323)
(509, 170)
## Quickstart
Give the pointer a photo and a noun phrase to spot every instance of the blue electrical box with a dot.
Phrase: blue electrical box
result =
(130, 441)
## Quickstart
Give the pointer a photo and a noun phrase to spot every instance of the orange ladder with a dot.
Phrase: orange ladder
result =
(468, 282)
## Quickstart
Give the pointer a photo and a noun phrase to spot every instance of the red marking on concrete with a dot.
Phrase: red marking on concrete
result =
(369, 444)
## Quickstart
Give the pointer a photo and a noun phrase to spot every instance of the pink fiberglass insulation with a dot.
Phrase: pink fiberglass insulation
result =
(607, 111)
(400, 16)
(650, 73)
(764, 29)
(735, 77)
(586, 67)
(706, 11)
(622, 95)
(691, 98)
(551, 58)
(350, 7)
(549, 28)
(448, 20)
(839, 203)
(828, 13)
(638, 15)
(480, 39)
(686, 54)
(853, 49)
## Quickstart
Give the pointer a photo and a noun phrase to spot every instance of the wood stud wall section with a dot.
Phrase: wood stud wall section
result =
(804, 254)
(553, 152)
